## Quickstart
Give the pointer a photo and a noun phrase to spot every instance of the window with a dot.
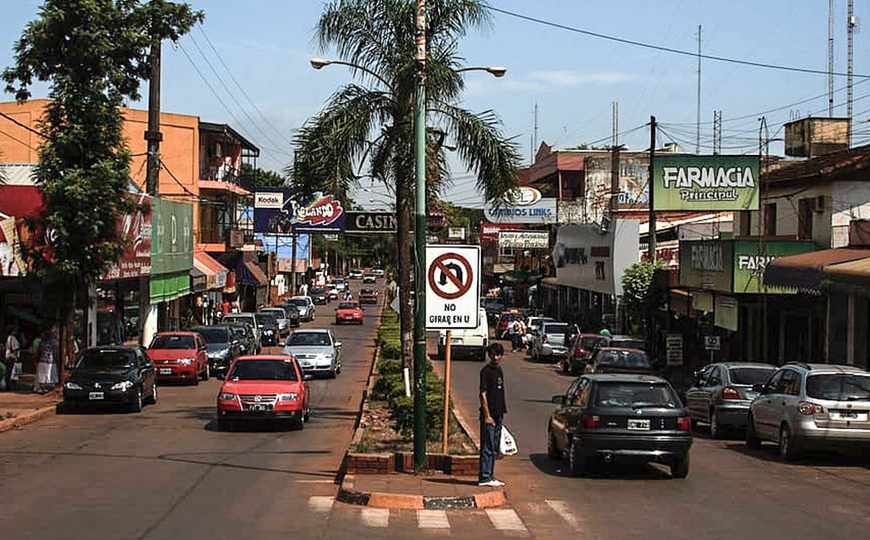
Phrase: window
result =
(308, 339)
(839, 387)
(770, 219)
(773, 384)
(264, 370)
(790, 384)
(750, 375)
(102, 359)
(805, 219)
(173, 342)
(635, 395)
(715, 377)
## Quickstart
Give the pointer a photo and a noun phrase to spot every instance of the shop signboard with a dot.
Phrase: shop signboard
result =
(276, 211)
(706, 264)
(524, 239)
(522, 205)
(674, 344)
(489, 231)
(136, 229)
(752, 257)
(370, 222)
(172, 237)
(588, 259)
(706, 183)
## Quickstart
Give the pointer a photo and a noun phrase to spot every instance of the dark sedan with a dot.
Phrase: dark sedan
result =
(268, 324)
(223, 347)
(620, 360)
(620, 418)
(247, 339)
(118, 376)
(319, 295)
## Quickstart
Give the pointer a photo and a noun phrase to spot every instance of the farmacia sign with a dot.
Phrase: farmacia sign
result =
(706, 183)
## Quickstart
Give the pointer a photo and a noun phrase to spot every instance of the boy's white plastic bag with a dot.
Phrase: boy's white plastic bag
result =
(508, 445)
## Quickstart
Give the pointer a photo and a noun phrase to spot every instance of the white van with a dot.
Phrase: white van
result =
(468, 342)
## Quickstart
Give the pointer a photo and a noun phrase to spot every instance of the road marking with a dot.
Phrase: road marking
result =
(564, 511)
(432, 519)
(506, 519)
(320, 504)
(376, 517)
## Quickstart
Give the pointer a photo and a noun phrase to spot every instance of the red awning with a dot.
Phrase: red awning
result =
(804, 272)
(21, 201)
(215, 272)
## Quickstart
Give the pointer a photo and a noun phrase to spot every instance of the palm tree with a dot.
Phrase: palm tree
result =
(372, 123)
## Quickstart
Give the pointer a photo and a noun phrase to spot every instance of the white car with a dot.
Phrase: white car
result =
(305, 306)
(355, 274)
(467, 342)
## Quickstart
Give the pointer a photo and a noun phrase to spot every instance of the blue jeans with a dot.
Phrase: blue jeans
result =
(516, 341)
(490, 437)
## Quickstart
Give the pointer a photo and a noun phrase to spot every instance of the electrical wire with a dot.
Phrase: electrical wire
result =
(28, 128)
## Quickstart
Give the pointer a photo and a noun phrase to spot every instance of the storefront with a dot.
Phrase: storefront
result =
(208, 278)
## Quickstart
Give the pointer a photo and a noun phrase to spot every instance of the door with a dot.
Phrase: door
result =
(788, 399)
(708, 392)
(147, 374)
(559, 423)
(763, 409)
(693, 394)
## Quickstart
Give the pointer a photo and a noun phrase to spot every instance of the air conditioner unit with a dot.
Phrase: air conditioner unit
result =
(819, 204)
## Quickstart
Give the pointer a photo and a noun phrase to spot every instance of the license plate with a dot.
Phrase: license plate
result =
(638, 425)
(96, 395)
(166, 371)
(849, 415)
(260, 408)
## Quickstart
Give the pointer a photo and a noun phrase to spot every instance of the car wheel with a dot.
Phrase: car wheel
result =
(576, 461)
(195, 380)
(307, 416)
(152, 400)
(338, 370)
(331, 374)
(136, 406)
(716, 428)
(207, 373)
(787, 447)
(680, 467)
(552, 448)
(752, 440)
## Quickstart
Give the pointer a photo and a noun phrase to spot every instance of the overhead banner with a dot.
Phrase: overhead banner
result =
(705, 183)
(523, 205)
(136, 228)
(524, 239)
(277, 212)
(369, 222)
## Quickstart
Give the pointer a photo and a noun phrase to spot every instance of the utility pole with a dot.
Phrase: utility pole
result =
(762, 232)
(831, 58)
(651, 184)
(614, 168)
(293, 262)
(698, 104)
(717, 132)
(850, 30)
(420, 241)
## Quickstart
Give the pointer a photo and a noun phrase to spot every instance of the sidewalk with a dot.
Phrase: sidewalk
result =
(408, 491)
(22, 406)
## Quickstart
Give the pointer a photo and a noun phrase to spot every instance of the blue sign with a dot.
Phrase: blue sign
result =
(277, 212)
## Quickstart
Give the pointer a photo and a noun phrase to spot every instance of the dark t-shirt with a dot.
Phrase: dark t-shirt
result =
(492, 382)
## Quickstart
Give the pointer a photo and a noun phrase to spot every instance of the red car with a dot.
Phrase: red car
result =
(265, 388)
(348, 312)
(503, 320)
(368, 296)
(179, 356)
(581, 352)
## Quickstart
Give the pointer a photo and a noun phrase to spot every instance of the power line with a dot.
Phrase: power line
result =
(17, 123)
(668, 49)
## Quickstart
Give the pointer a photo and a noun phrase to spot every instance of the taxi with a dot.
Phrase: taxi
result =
(349, 312)
(179, 356)
(270, 388)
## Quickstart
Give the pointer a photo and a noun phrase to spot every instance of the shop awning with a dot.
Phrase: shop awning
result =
(805, 272)
(248, 273)
(166, 287)
(215, 273)
(198, 280)
(851, 277)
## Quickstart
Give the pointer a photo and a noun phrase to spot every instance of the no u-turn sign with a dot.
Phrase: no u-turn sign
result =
(452, 287)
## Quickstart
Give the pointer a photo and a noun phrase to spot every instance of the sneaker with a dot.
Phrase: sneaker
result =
(496, 483)
(488, 483)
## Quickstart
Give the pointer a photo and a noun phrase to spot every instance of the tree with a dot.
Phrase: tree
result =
(372, 123)
(641, 291)
(254, 177)
(94, 54)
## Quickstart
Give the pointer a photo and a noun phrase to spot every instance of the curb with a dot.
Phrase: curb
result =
(27, 418)
(348, 495)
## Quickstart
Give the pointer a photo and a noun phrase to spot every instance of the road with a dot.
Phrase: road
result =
(168, 474)
(731, 492)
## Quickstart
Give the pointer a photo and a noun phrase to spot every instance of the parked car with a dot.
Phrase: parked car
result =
(179, 356)
(620, 418)
(369, 278)
(533, 326)
(264, 388)
(620, 360)
(467, 342)
(368, 296)
(223, 347)
(622, 341)
(305, 306)
(322, 295)
(317, 351)
(379, 272)
(812, 407)
(281, 317)
(355, 274)
(246, 318)
(349, 312)
(722, 392)
(117, 376)
(580, 352)
(551, 342)
(503, 320)
(247, 338)
(292, 314)
(268, 325)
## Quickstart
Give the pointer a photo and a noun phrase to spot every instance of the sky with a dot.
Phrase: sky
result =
(572, 78)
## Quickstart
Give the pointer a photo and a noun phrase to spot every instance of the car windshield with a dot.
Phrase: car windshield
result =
(348, 305)
(555, 328)
(263, 370)
(106, 359)
(239, 330)
(173, 342)
(839, 387)
(635, 395)
(277, 312)
(589, 343)
(624, 359)
(750, 376)
(213, 335)
(628, 343)
(308, 339)
(298, 302)
(237, 320)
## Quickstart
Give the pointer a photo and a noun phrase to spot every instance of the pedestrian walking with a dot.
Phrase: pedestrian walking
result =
(13, 350)
(492, 411)
(514, 334)
(46, 368)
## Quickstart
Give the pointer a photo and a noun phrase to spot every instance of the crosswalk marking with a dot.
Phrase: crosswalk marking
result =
(376, 517)
(320, 504)
(506, 519)
(432, 519)
(564, 511)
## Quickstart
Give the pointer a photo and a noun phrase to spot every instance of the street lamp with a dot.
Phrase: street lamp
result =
(320, 63)
(495, 71)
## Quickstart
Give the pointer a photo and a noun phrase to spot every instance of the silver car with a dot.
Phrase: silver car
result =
(722, 393)
(812, 407)
(305, 307)
(281, 316)
(550, 342)
(316, 350)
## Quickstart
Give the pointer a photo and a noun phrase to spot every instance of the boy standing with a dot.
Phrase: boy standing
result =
(492, 410)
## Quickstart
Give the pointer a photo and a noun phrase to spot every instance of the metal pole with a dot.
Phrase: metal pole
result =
(293, 268)
(420, 246)
(698, 104)
(651, 183)
(446, 392)
(152, 162)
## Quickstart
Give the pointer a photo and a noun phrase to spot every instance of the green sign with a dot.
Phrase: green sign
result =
(705, 183)
(751, 258)
(171, 237)
(706, 264)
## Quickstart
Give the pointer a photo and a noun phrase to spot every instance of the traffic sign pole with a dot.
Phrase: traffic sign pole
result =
(446, 392)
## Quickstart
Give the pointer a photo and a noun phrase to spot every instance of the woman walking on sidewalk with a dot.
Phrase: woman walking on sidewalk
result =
(492, 410)
(46, 369)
